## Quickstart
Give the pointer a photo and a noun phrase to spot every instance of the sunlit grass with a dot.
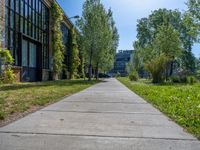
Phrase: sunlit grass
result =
(18, 98)
(181, 102)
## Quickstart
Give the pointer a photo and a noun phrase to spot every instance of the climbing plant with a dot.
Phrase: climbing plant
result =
(6, 73)
(57, 45)
(74, 58)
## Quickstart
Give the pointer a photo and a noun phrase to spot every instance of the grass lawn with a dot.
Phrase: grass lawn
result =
(180, 102)
(18, 98)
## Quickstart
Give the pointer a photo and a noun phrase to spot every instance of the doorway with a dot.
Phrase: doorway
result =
(29, 61)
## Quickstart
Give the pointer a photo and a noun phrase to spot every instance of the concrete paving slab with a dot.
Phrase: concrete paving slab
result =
(92, 97)
(103, 107)
(100, 124)
(107, 116)
(64, 142)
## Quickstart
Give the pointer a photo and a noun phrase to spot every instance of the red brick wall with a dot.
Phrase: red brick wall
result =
(2, 18)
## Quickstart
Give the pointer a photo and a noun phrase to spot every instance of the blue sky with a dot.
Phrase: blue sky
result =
(126, 14)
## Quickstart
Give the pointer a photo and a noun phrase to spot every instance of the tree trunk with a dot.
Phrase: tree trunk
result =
(171, 68)
(97, 72)
(0, 66)
(90, 72)
(90, 65)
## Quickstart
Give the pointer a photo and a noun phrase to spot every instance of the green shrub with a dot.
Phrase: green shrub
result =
(2, 115)
(184, 79)
(191, 80)
(8, 76)
(198, 74)
(157, 67)
(175, 79)
(133, 75)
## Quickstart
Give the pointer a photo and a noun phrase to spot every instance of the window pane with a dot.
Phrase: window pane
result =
(11, 41)
(17, 6)
(22, 8)
(32, 55)
(12, 4)
(26, 10)
(7, 2)
(17, 21)
(21, 24)
(24, 53)
(11, 19)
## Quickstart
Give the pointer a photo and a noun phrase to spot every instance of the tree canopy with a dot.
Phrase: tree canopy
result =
(99, 36)
(168, 32)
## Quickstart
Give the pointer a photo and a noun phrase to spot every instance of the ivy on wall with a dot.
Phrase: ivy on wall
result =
(74, 59)
(6, 73)
(57, 44)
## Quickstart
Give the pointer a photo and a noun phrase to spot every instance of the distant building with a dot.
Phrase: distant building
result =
(122, 58)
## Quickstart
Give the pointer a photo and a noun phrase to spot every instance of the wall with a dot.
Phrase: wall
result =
(2, 20)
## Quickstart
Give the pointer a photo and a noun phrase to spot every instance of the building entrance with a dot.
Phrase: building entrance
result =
(29, 61)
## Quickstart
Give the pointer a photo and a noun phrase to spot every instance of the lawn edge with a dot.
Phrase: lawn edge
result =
(165, 114)
(17, 116)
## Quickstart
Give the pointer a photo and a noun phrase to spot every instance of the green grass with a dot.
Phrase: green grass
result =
(18, 98)
(180, 102)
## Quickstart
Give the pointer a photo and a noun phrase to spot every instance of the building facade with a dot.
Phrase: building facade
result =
(27, 34)
(121, 60)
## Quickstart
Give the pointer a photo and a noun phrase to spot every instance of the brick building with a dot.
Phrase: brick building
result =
(2, 21)
(27, 34)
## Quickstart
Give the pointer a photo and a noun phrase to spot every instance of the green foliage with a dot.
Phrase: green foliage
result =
(81, 67)
(194, 11)
(175, 79)
(6, 56)
(179, 101)
(99, 36)
(191, 79)
(166, 46)
(8, 75)
(74, 58)
(183, 25)
(183, 79)
(167, 41)
(156, 67)
(57, 44)
(133, 75)
(198, 74)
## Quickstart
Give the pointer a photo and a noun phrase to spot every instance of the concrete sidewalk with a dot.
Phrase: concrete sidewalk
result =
(107, 116)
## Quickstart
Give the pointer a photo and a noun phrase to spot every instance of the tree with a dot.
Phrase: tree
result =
(192, 22)
(165, 48)
(57, 44)
(148, 28)
(98, 36)
(190, 36)
(110, 43)
(156, 67)
(89, 27)
(194, 10)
